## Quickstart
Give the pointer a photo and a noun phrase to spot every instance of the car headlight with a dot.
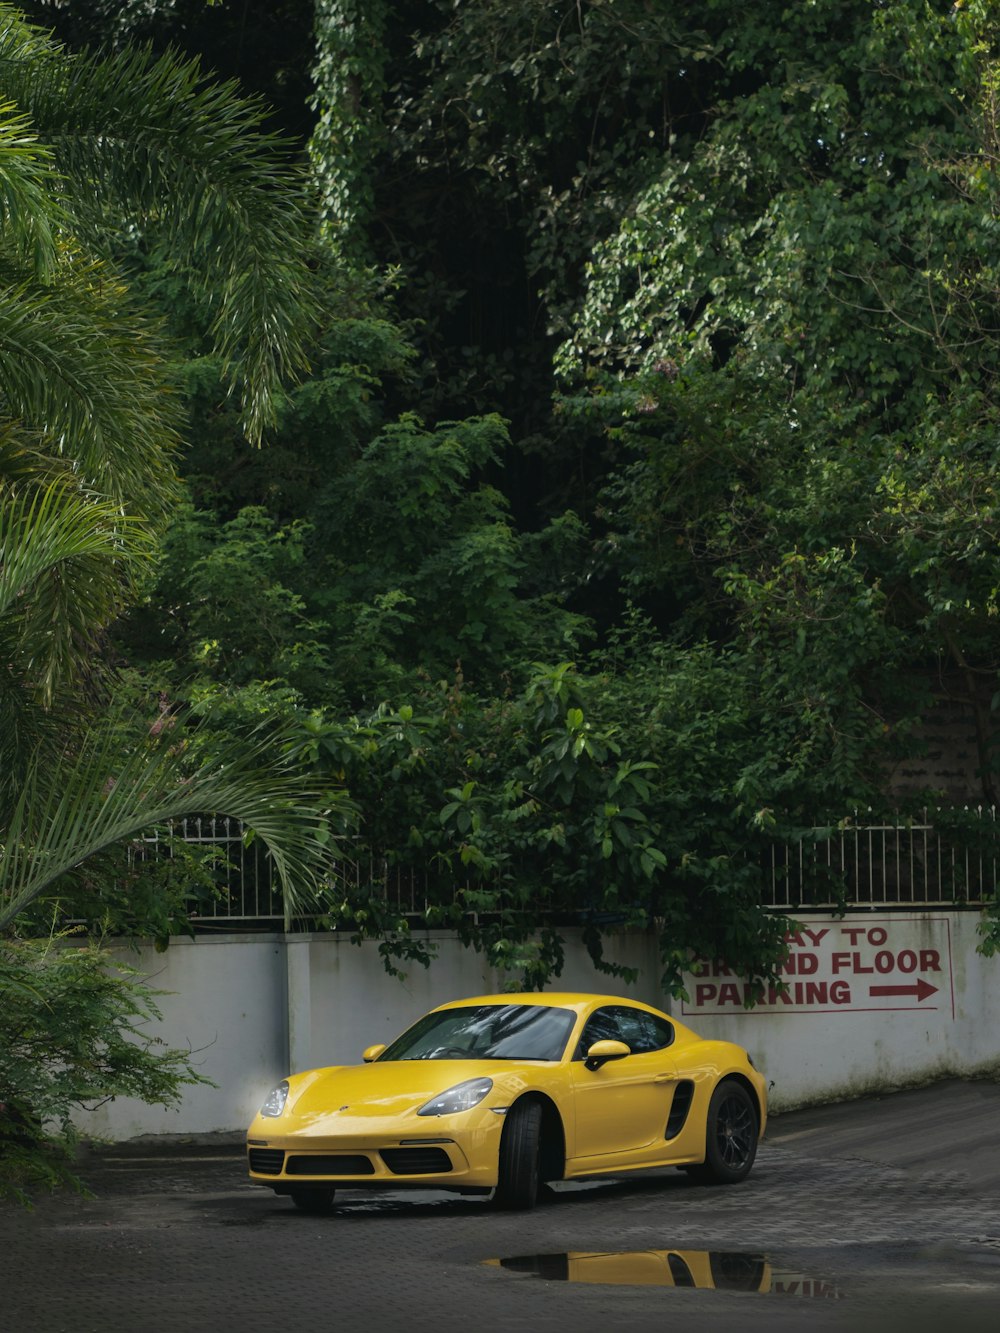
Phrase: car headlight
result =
(462, 1097)
(274, 1102)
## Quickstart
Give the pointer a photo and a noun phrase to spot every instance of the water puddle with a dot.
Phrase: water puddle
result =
(718, 1270)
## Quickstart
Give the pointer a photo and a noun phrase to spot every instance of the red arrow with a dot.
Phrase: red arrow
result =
(921, 990)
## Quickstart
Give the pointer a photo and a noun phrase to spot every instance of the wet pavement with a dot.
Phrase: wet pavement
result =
(881, 1214)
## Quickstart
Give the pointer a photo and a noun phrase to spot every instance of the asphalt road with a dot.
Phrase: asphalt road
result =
(881, 1214)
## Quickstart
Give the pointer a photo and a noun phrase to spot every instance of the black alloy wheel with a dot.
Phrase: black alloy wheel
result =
(730, 1136)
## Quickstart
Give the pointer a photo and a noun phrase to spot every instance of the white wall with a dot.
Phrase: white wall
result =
(874, 1002)
(225, 1003)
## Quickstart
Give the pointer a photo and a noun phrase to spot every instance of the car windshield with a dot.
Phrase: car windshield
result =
(486, 1032)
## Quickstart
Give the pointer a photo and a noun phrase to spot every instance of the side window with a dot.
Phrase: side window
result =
(640, 1031)
(602, 1025)
(633, 1030)
(657, 1032)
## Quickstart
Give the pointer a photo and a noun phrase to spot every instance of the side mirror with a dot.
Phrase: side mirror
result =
(372, 1053)
(603, 1051)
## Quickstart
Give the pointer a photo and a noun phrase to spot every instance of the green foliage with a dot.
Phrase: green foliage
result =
(760, 243)
(106, 793)
(588, 797)
(221, 601)
(551, 109)
(349, 74)
(72, 1037)
(66, 560)
(486, 145)
(92, 150)
(832, 223)
(408, 562)
(157, 147)
(423, 559)
(147, 889)
(88, 426)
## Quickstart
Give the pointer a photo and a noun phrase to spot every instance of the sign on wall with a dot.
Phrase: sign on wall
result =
(839, 967)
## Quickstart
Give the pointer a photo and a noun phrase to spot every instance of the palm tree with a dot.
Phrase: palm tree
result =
(91, 148)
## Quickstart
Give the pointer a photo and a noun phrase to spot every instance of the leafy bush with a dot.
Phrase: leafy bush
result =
(71, 1038)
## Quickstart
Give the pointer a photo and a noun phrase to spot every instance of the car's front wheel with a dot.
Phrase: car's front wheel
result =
(518, 1176)
(730, 1136)
(317, 1199)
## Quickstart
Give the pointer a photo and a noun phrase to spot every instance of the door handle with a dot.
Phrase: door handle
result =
(664, 1078)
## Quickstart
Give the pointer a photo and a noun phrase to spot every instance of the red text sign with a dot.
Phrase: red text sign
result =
(891, 963)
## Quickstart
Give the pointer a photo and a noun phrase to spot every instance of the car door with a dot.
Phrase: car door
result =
(622, 1107)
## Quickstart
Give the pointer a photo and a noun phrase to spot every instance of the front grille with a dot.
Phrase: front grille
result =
(415, 1161)
(342, 1165)
(266, 1161)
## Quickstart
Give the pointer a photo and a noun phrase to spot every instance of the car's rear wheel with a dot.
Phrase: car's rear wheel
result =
(315, 1199)
(518, 1176)
(730, 1136)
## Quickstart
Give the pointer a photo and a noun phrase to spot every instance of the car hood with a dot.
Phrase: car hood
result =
(351, 1097)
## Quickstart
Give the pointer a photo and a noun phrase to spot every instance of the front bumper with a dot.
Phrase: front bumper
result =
(442, 1160)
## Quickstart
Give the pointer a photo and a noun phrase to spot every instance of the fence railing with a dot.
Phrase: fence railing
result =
(866, 865)
(909, 863)
(245, 888)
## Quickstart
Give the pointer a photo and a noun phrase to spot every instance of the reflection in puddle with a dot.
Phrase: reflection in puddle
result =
(707, 1269)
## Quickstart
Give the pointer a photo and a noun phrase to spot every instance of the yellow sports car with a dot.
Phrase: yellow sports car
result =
(502, 1092)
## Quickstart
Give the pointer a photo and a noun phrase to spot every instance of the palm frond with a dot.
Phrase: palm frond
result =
(188, 159)
(102, 796)
(42, 529)
(79, 363)
(28, 212)
(66, 563)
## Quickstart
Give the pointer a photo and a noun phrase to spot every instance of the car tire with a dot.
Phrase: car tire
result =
(730, 1136)
(518, 1173)
(313, 1200)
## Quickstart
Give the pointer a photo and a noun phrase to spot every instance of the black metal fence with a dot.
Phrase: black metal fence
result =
(947, 858)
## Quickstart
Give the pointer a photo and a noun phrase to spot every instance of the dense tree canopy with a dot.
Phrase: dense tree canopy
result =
(640, 496)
